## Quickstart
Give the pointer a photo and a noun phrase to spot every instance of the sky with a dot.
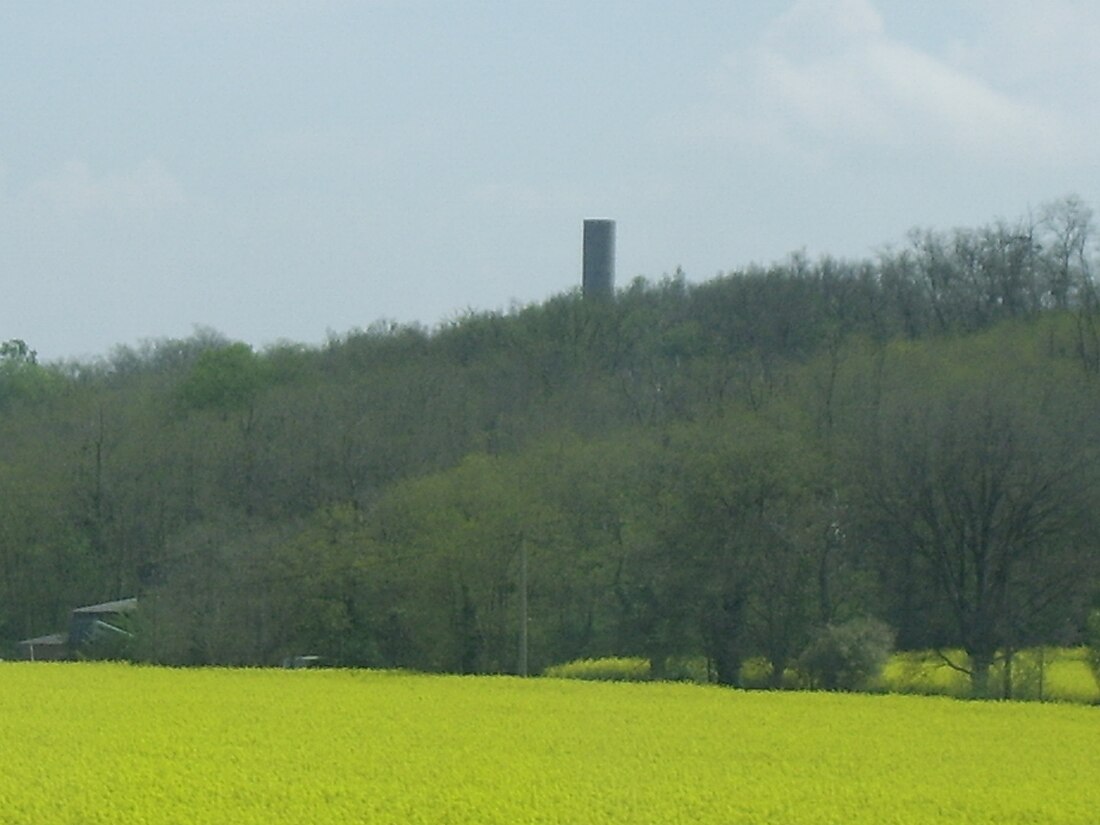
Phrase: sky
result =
(290, 171)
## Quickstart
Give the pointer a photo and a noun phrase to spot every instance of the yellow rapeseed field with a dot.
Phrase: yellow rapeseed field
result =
(1055, 674)
(96, 743)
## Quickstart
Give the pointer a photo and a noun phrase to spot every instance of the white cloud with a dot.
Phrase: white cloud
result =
(816, 27)
(1036, 45)
(826, 76)
(75, 188)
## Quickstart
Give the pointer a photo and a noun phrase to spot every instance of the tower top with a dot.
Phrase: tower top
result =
(598, 274)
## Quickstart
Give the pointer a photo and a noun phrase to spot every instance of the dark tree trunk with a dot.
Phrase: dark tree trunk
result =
(722, 636)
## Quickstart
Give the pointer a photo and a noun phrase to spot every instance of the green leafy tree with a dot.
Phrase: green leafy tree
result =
(22, 378)
(226, 378)
(847, 656)
(453, 542)
(723, 563)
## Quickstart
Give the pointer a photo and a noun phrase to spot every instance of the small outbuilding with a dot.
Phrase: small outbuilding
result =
(51, 648)
(86, 625)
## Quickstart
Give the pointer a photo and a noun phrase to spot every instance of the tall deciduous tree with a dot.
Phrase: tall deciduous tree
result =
(975, 480)
(726, 557)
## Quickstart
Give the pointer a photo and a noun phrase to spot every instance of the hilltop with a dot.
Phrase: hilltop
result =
(719, 469)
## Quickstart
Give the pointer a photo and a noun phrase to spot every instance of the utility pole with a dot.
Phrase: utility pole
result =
(521, 667)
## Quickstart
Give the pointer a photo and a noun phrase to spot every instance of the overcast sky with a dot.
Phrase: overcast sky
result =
(287, 170)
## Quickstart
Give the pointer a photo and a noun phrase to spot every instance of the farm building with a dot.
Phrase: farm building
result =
(51, 648)
(87, 624)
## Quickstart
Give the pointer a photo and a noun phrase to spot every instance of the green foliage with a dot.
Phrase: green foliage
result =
(22, 378)
(926, 673)
(974, 485)
(727, 547)
(847, 656)
(708, 471)
(607, 669)
(758, 673)
(226, 378)
(631, 669)
(1047, 674)
(1093, 643)
(16, 351)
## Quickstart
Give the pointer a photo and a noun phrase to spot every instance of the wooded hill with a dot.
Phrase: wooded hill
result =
(715, 469)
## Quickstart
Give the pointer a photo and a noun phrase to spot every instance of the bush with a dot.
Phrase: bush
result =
(846, 656)
(611, 668)
(924, 673)
(1092, 637)
(687, 669)
(630, 669)
(757, 672)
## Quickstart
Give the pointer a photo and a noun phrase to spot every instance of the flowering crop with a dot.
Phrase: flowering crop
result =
(96, 743)
(1058, 674)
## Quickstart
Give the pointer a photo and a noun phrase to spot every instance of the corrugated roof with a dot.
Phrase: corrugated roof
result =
(119, 606)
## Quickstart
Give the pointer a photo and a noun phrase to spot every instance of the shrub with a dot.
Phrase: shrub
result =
(756, 674)
(611, 668)
(924, 673)
(846, 656)
(687, 669)
(630, 669)
(1093, 639)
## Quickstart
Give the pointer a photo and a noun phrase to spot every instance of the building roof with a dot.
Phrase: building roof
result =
(51, 639)
(119, 606)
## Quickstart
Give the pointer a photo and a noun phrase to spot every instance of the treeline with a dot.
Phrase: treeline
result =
(719, 469)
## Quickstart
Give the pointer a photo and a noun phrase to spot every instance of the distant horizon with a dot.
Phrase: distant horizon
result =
(290, 171)
(202, 329)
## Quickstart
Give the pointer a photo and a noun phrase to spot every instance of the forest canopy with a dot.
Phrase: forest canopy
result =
(719, 469)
